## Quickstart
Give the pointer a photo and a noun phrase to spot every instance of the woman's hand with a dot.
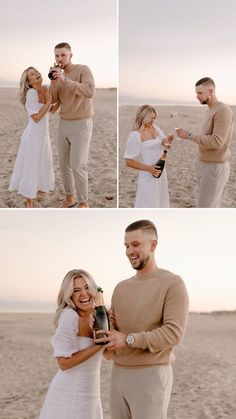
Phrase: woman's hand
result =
(167, 141)
(154, 171)
(54, 107)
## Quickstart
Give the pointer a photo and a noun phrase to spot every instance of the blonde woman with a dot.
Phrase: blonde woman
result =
(144, 147)
(33, 170)
(74, 392)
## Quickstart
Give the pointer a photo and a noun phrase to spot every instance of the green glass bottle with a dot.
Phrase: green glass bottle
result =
(160, 164)
(101, 319)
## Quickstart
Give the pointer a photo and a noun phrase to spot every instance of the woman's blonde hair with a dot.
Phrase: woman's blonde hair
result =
(24, 85)
(64, 298)
(143, 115)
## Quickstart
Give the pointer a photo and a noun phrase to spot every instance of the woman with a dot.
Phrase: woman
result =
(33, 170)
(74, 392)
(144, 147)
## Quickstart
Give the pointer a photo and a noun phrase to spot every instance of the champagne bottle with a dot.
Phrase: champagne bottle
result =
(101, 319)
(50, 74)
(160, 164)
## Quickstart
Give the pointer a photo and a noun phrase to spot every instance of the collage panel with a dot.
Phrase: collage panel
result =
(177, 97)
(58, 105)
(51, 368)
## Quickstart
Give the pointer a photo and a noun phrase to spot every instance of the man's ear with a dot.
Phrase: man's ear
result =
(153, 245)
(211, 91)
(71, 55)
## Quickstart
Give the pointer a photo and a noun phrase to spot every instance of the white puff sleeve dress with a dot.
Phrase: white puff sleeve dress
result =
(73, 393)
(151, 192)
(33, 170)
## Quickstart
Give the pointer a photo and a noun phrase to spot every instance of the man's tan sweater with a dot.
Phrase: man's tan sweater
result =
(154, 310)
(75, 94)
(214, 142)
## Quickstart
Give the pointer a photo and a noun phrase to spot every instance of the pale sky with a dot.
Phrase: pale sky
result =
(166, 46)
(30, 30)
(39, 247)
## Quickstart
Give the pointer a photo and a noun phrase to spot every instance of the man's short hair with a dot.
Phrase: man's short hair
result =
(63, 45)
(144, 225)
(205, 80)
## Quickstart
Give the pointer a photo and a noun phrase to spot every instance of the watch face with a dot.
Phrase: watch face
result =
(130, 339)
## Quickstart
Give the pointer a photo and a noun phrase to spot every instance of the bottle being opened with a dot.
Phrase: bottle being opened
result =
(101, 319)
(160, 164)
(51, 72)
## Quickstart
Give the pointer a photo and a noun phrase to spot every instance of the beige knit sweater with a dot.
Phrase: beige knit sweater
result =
(214, 142)
(154, 310)
(75, 94)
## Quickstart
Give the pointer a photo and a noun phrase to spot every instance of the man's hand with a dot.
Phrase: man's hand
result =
(114, 339)
(112, 318)
(57, 74)
(182, 133)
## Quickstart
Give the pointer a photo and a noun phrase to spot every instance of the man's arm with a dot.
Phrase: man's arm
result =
(221, 129)
(175, 314)
(222, 125)
(86, 87)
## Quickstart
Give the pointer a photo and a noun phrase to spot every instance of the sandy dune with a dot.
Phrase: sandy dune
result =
(102, 159)
(181, 158)
(204, 373)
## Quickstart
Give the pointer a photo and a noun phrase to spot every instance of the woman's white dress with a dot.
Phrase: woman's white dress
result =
(151, 192)
(73, 393)
(33, 170)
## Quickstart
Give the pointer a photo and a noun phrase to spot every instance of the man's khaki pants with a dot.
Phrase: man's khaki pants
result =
(73, 147)
(211, 178)
(140, 393)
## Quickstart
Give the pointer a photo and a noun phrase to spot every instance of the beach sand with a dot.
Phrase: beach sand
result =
(102, 158)
(181, 160)
(204, 372)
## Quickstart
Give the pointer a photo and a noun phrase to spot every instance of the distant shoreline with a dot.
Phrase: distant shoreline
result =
(47, 311)
(15, 86)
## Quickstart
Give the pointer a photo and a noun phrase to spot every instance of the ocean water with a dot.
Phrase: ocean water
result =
(26, 307)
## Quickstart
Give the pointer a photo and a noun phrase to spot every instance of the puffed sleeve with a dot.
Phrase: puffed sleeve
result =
(133, 146)
(32, 102)
(65, 340)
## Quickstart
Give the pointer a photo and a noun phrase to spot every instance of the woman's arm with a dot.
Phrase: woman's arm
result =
(37, 116)
(78, 357)
(140, 166)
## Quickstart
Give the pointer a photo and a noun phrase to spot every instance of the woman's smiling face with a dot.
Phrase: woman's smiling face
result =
(82, 295)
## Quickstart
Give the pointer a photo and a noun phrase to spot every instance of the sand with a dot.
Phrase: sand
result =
(102, 159)
(181, 159)
(204, 372)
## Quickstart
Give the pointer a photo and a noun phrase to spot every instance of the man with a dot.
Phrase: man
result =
(150, 314)
(213, 167)
(73, 89)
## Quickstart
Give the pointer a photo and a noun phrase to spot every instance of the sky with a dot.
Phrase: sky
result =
(165, 46)
(30, 30)
(39, 247)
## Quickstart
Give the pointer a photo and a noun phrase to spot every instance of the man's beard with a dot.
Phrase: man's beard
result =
(142, 264)
(205, 102)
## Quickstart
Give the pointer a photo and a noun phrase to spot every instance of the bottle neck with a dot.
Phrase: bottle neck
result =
(163, 156)
(99, 302)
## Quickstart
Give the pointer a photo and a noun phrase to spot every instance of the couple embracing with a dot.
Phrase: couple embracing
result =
(72, 89)
(148, 316)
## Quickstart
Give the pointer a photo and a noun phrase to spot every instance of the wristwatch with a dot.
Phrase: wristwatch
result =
(129, 340)
(190, 135)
